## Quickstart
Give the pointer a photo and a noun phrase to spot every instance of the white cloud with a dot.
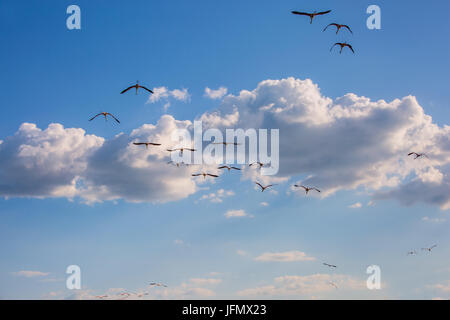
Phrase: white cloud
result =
(30, 273)
(215, 94)
(237, 214)
(444, 287)
(348, 142)
(355, 205)
(342, 144)
(218, 196)
(288, 256)
(163, 93)
(304, 285)
(264, 204)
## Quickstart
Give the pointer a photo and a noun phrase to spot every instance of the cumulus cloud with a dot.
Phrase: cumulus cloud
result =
(215, 94)
(356, 205)
(337, 144)
(30, 273)
(347, 142)
(288, 256)
(164, 94)
(304, 285)
(237, 214)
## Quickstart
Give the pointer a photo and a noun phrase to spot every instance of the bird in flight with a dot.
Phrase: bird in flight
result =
(156, 284)
(311, 15)
(146, 144)
(417, 155)
(329, 265)
(204, 174)
(338, 27)
(137, 86)
(333, 284)
(307, 189)
(178, 164)
(181, 150)
(342, 45)
(412, 253)
(105, 114)
(228, 167)
(227, 143)
(264, 187)
(257, 163)
(430, 248)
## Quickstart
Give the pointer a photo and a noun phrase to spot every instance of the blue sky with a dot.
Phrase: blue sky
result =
(54, 75)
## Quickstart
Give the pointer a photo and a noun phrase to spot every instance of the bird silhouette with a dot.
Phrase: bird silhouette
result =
(342, 45)
(417, 155)
(137, 86)
(430, 248)
(157, 284)
(311, 15)
(204, 174)
(329, 265)
(338, 27)
(146, 144)
(307, 189)
(264, 187)
(181, 150)
(228, 167)
(105, 114)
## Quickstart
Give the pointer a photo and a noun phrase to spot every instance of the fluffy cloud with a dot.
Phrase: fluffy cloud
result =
(59, 162)
(163, 93)
(356, 205)
(348, 142)
(215, 94)
(289, 256)
(304, 285)
(30, 273)
(335, 144)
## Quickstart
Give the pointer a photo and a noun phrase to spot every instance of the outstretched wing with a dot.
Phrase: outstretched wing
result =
(212, 175)
(114, 117)
(351, 48)
(235, 168)
(134, 86)
(196, 174)
(345, 26)
(259, 184)
(331, 24)
(94, 117)
(222, 167)
(337, 43)
(138, 143)
(316, 189)
(154, 144)
(146, 89)
(323, 12)
(411, 153)
(301, 13)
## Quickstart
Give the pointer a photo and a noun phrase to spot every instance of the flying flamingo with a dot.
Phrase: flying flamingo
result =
(417, 155)
(264, 187)
(342, 45)
(105, 114)
(137, 86)
(430, 248)
(204, 174)
(146, 144)
(311, 15)
(307, 189)
(228, 167)
(338, 26)
(181, 150)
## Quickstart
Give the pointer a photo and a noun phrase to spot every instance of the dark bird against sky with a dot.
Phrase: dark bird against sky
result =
(228, 167)
(137, 86)
(307, 189)
(342, 45)
(146, 144)
(417, 155)
(204, 174)
(311, 15)
(338, 27)
(105, 114)
(264, 187)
